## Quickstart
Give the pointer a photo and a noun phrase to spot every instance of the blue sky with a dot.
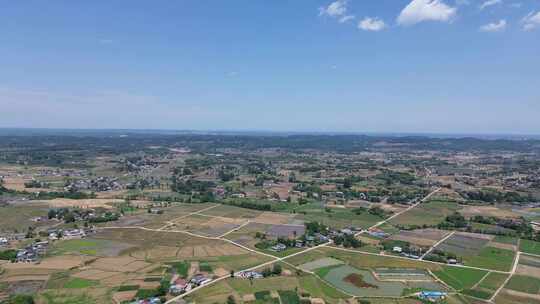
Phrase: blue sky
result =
(448, 66)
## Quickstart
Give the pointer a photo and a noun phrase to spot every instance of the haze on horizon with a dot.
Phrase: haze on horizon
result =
(428, 66)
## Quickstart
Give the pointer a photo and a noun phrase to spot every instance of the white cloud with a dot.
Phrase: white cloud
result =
(531, 21)
(335, 9)
(516, 5)
(426, 10)
(345, 19)
(372, 24)
(489, 3)
(494, 26)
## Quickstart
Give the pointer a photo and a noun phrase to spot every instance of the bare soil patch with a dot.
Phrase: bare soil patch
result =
(528, 271)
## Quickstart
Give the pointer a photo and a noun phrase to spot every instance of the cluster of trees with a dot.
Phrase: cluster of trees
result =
(105, 217)
(248, 204)
(376, 210)
(441, 256)
(8, 255)
(497, 196)
(347, 241)
(63, 194)
(454, 221)
(392, 177)
(36, 184)
(20, 299)
(316, 227)
(276, 270)
(187, 186)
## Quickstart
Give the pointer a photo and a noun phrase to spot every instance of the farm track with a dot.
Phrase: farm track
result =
(437, 244)
(282, 259)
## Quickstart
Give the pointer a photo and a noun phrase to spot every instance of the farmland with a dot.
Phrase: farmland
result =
(131, 219)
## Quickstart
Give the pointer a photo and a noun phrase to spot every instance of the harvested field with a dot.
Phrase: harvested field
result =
(207, 226)
(64, 262)
(24, 278)
(502, 246)
(94, 274)
(528, 270)
(82, 203)
(429, 213)
(519, 297)
(124, 296)
(470, 211)
(274, 218)
(17, 183)
(94, 247)
(232, 212)
(119, 264)
(420, 237)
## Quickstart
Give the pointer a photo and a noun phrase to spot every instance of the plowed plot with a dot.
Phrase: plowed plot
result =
(246, 235)
(210, 251)
(420, 237)
(285, 231)
(463, 245)
(470, 211)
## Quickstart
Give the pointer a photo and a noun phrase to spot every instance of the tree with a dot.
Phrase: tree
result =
(20, 299)
(231, 300)
(276, 270)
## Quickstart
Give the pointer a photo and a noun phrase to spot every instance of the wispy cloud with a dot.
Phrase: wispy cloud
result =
(346, 19)
(372, 24)
(335, 9)
(494, 26)
(531, 21)
(489, 3)
(426, 10)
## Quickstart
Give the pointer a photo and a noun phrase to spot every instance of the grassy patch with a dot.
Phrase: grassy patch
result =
(55, 298)
(127, 288)
(460, 278)
(181, 268)
(529, 246)
(492, 258)
(524, 284)
(493, 281)
(80, 283)
(506, 240)
(317, 288)
(289, 297)
(477, 293)
(205, 266)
